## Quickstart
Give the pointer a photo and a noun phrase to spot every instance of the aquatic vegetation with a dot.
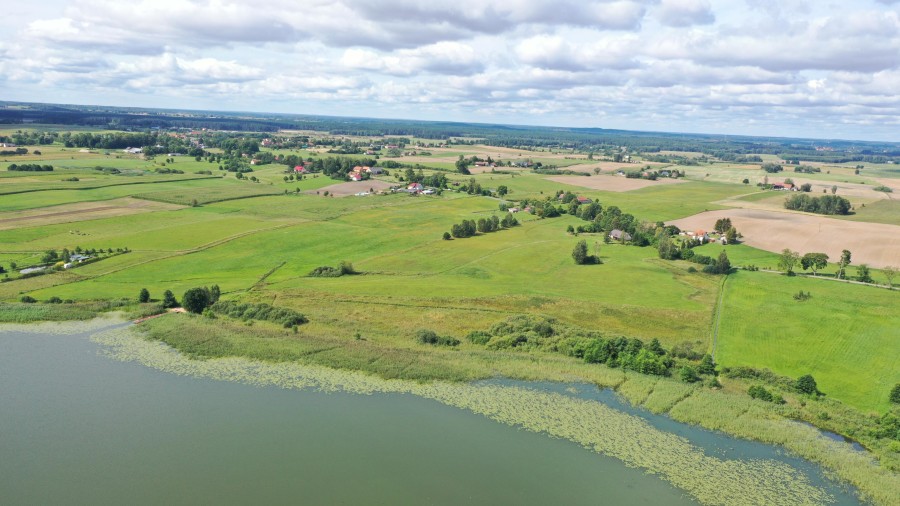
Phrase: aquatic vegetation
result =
(72, 327)
(712, 480)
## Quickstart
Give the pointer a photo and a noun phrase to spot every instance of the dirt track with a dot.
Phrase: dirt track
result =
(875, 244)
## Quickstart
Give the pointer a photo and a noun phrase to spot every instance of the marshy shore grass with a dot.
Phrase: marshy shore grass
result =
(264, 355)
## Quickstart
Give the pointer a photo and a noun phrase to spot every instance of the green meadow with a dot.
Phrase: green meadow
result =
(259, 241)
(845, 335)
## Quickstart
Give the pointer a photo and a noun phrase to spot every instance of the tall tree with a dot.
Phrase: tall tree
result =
(787, 261)
(169, 300)
(814, 261)
(144, 296)
(580, 252)
(845, 261)
(890, 272)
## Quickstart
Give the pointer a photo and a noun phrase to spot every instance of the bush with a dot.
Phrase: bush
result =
(895, 394)
(806, 384)
(27, 299)
(425, 336)
(759, 392)
(144, 296)
(169, 300)
(54, 300)
(264, 312)
(196, 300)
(326, 271)
(688, 374)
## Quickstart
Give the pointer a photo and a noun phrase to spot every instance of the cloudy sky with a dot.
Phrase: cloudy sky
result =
(824, 69)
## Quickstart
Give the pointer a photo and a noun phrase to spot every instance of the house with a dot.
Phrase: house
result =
(133, 151)
(375, 170)
(513, 209)
(300, 169)
(7, 144)
(356, 176)
(414, 188)
(701, 236)
(481, 164)
(619, 235)
(789, 187)
(78, 258)
(428, 191)
(584, 200)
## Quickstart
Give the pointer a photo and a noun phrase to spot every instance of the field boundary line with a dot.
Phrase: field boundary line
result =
(32, 190)
(718, 317)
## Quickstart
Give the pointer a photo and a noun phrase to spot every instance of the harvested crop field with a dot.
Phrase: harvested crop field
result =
(353, 187)
(875, 244)
(81, 211)
(612, 183)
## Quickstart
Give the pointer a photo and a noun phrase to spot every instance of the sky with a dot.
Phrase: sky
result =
(792, 68)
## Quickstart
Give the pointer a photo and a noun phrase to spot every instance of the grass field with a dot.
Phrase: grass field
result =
(845, 336)
(259, 242)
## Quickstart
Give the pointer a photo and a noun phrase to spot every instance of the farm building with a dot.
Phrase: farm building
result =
(414, 188)
(619, 235)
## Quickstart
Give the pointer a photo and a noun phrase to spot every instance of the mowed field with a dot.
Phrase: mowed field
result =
(354, 187)
(846, 336)
(82, 211)
(612, 183)
(876, 244)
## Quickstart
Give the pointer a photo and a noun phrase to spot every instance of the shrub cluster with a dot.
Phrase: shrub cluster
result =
(327, 271)
(263, 312)
(30, 167)
(826, 204)
(425, 336)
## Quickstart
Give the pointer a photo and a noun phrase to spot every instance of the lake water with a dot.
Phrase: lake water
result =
(77, 427)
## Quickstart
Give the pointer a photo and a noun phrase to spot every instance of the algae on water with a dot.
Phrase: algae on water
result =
(711, 480)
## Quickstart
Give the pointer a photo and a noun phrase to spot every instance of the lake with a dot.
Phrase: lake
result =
(77, 427)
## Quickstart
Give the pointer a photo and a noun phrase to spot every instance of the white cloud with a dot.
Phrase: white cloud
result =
(685, 13)
(694, 64)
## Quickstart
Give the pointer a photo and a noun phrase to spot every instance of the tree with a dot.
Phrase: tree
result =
(502, 190)
(688, 374)
(446, 236)
(833, 189)
(889, 273)
(214, 294)
(169, 300)
(806, 384)
(144, 296)
(462, 166)
(719, 266)
(196, 300)
(845, 261)
(667, 249)
(788, 260)
(580, 252)
(722, 225)
(814, 261)
(731, 235)
(895, 394)
(863, 274)
(707, 366)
